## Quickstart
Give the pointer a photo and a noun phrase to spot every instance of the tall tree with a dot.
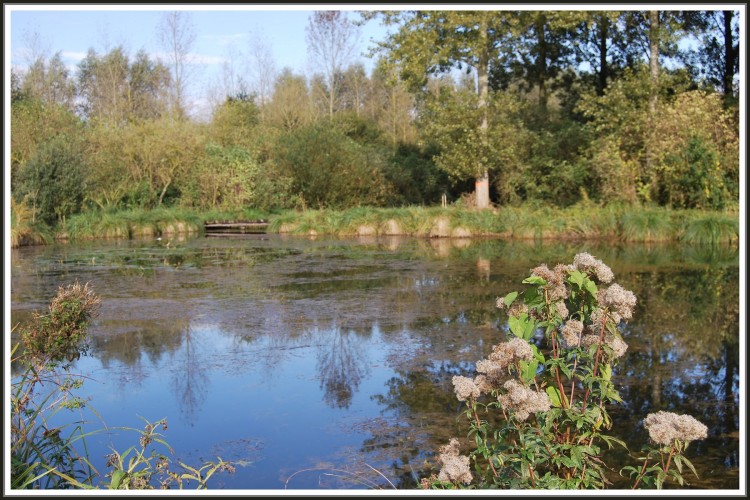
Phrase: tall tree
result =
(332, 40)
(177, 35)
(439, 42)
(49, 81)
(103, 86)
(717, 56)
(541, 49)
(262, 71)
(113, 91)
(598, 42)
(391, 105)
(291, 106)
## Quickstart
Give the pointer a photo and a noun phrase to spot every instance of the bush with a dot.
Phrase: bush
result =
(330, 170)
(53, 181)
(538, 406)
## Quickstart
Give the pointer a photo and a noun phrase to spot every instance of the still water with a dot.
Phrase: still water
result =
(325, 363)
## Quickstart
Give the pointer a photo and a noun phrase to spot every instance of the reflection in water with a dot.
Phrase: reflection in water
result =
(342, 363)
(189, 379)
(301, 352)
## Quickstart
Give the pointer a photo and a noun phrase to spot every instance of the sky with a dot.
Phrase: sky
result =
(221, 31)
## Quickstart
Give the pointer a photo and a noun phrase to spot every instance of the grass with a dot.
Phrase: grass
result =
(23, 228)
(584, 222)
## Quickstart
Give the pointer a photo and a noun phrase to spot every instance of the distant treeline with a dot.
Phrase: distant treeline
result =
(549, 108)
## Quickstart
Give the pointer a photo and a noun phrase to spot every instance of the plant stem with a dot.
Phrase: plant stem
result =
(479, 425)
(640, 476)
(596, 360)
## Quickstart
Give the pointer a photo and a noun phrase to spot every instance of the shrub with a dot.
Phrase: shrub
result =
(538, 405)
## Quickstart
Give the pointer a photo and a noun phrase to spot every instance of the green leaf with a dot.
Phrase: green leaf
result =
(117, 477)
(534, 280)
(554, 396)
(576, 277)
(590, 286)
(528, 370)
(508, 299)
(690, 465)
(522, 326)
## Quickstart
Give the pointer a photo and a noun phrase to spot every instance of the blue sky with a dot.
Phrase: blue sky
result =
(219, 30)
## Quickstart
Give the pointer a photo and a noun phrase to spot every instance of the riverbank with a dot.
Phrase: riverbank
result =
(581, 222)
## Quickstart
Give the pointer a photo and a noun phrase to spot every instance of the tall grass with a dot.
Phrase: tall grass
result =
(24, 230)
(584, 222)
(647, 224)
(710, 228)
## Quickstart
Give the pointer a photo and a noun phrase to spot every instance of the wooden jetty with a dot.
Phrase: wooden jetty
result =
(235, 227)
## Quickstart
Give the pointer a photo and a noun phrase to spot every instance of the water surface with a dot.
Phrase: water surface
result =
(311, 362)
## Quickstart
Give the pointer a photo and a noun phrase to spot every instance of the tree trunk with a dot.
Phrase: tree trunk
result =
(603, 65)
(164, 191)
(482, 190)
(654, 83)
(730, 55)
(541, 63)
(654, 59)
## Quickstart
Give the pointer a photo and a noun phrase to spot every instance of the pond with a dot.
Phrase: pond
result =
(327, 363)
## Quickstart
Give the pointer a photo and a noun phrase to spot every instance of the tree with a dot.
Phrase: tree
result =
(114, 91)
(449, 121)
(391, 105)
(716, 58)
(148, 82)
(103, 86)
(438, 42)
(331, 40)
(159, 154)
(596, 42)
(262, 70)
(353, 84)
(50, 82)
(291, 106)
(330, 169)
(540, 52)
(177, 36)
(54, 181)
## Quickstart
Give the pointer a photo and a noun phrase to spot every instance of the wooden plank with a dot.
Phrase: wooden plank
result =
(238, 224)
(236, 227)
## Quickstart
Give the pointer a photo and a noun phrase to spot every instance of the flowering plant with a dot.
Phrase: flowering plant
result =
(538, 404)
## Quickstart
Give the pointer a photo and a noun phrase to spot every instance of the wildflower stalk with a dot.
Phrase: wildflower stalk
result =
(568, 425)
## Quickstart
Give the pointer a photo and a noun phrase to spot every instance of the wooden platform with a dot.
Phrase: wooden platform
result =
(229, 227)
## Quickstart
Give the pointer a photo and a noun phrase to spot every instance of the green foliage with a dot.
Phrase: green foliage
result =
(144, 467)
(328, 169)
(539, 407)
(415, 177)
(710, 228)
(452, 119)
(53, 181)
(24, 230)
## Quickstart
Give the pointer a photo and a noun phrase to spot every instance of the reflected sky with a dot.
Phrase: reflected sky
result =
(304, 358)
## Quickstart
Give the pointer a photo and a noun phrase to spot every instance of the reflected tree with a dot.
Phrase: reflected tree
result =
(341, 364)
(189, 378)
